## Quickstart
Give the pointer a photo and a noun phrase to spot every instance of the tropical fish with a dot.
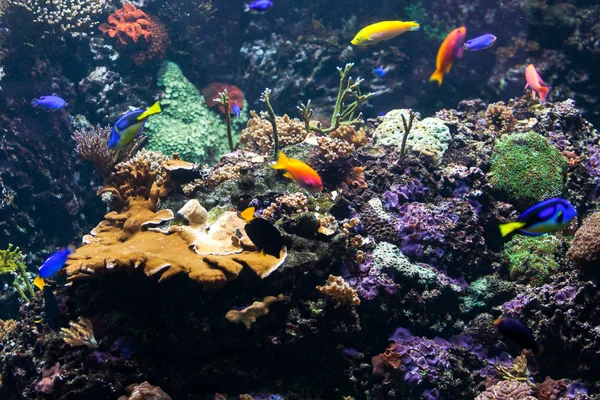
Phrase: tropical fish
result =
(379, 71)
(258, 6)
(480, 43)
(263, 234)
(535, 83)
(52, 265)
(450, 49)
(129, 126)
(518, 332)
(545, 217)
(384, 30)
(237, 111)
(51, 310)
(51, 103)
(303, 174)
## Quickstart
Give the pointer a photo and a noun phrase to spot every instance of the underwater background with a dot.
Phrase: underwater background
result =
(284, 200)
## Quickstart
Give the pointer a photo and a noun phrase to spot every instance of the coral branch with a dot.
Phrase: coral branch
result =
(224, 100)
(407, 129)
(266, 98)
(80, 333)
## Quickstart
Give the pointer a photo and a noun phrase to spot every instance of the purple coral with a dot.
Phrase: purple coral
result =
(367, 280)
(574, 388)
(412, 191)
(593, 166)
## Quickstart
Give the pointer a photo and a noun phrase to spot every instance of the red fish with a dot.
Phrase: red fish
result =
(535, 83)
(451, 48)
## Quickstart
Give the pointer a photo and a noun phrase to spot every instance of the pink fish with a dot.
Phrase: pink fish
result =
(535, 83)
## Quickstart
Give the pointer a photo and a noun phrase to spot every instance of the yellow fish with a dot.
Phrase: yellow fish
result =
(384, 30)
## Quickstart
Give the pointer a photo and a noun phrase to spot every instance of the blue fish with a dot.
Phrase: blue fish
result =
(258, 6)
(237, 111)
(480, 43)
(52, 265)
(379, 71)
(129, 126)
(51, 103)
(545, 217)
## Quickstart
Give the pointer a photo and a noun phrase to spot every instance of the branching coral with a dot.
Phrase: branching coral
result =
(6, 327)
(288, 204)
(68, 15)
(248, 315)
(258, 135)
(339, 291)
(12, 261)
(80, 333)
(234, 93)
(92, 145)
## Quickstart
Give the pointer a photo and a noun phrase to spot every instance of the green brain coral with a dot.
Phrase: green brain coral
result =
(186, 126)
(526, 169)
(532, 259)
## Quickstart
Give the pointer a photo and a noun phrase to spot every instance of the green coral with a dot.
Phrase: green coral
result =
(526, 169)
(186, 126)
(486, 292)
(387, 256)
(532, 259)
(433, 30)
(12, 262)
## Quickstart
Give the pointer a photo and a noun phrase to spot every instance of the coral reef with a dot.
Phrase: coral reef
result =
(533, 260)
(505, 390)
(339, 291)
(258, 134)
(80, 333)
(64, 15)
(211, 92)
(12, 262)
(585, 248)
(6, 327)
(144, 391)
(186, 126)
(527, 169)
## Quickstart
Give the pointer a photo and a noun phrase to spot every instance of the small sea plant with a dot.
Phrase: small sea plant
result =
(12, 261)
(265, 97)
(342, 115)
(224, 100)
(407, 129)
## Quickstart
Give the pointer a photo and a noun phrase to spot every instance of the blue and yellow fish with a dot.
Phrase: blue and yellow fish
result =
(545, 217)
(52, 265)
(129, 126)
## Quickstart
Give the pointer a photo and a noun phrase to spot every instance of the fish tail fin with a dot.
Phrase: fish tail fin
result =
(35, 102)
(248, 214)
(246, 8)
(153, 109)
(437, 76)
(507, 229)
(414, 26)
(39, 282)
(71, 249)
(282, 162)
(543, 93)
(527, 86)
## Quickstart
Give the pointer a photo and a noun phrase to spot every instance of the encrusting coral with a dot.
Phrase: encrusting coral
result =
(258, 134)
(126, 239)
(339, 291)
(80, 333)
(144, 391)
(585, 249)
(507, 390)
(248, 315)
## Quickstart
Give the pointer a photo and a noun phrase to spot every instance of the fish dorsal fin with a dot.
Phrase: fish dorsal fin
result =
(153, 109)
(282, 162)
(248, 214)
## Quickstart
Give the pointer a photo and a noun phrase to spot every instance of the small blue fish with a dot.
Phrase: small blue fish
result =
(51, 103)
(480, 43)
(129, 126)
(545, 217)
(258, 6)
(237, 111)
(52, 265)
(379, 71)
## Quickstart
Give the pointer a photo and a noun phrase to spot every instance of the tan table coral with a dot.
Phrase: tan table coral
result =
(127, 240)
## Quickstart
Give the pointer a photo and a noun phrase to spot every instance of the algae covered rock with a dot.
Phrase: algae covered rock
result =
(585, 249)
(186, 126)
(526, 169)
(387, 256)
(429, 137)
(532, 259)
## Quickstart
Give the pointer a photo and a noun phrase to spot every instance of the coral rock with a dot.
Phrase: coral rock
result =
(248, 315)
(507, 390)
(585, 249)
(339, 291)
(144, 391)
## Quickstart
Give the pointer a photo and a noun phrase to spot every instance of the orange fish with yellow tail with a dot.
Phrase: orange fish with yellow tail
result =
(535, 83)
(451, 48)
(302, 173)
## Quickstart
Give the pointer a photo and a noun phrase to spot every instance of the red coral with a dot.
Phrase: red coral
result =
(127, 23)
(236, 96)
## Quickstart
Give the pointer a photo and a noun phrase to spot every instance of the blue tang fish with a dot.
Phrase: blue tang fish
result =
(258, 6)
(51, 103)
(379, 71)
(545, 217)
(480, 43)
(52, 265)
(518, 332)
(236, 110)
(129, 126)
